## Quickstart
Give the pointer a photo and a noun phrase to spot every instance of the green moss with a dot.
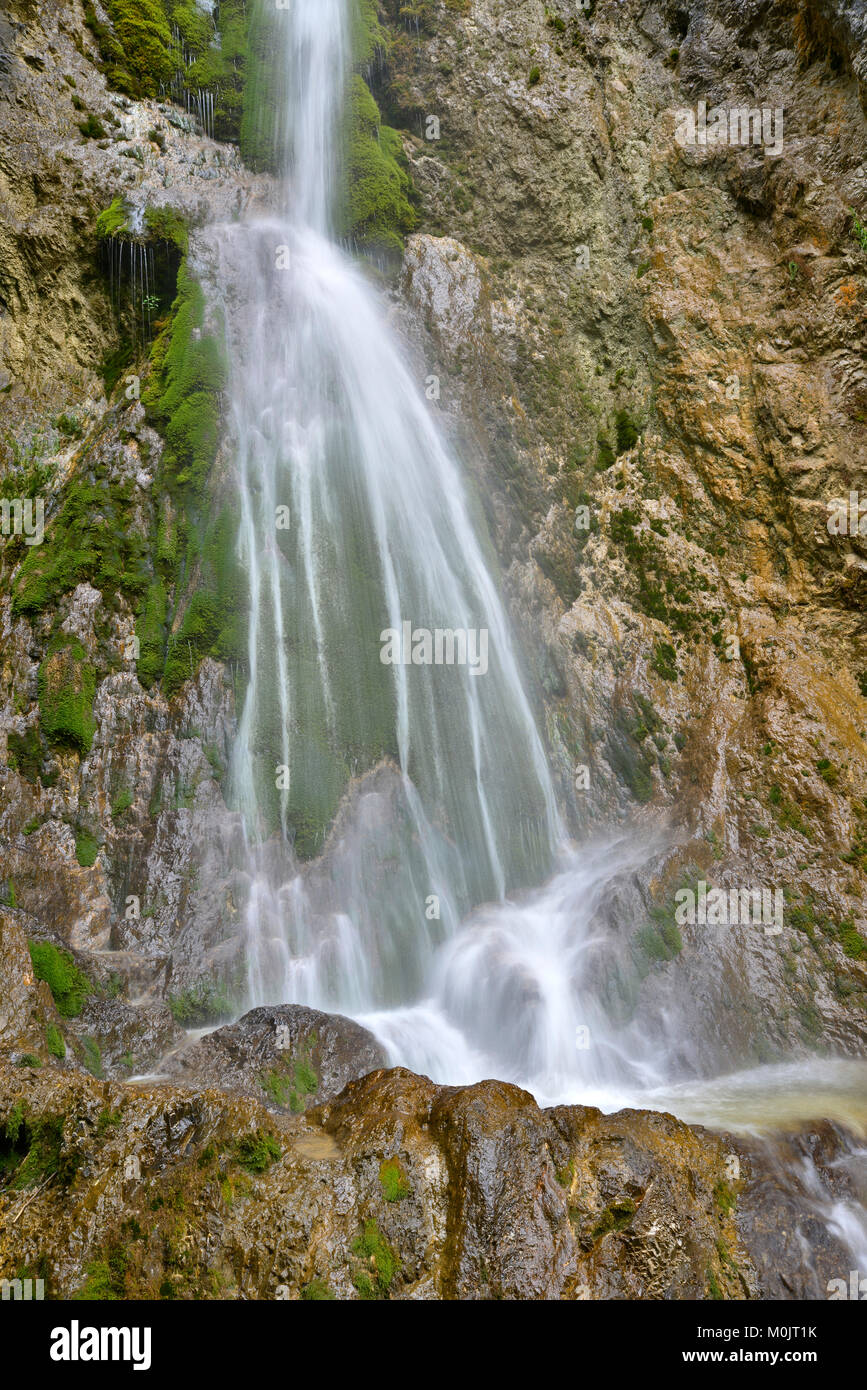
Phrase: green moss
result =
(656, 945)
(24, 753)
(107, 1120)
(859, 230)
(196, 637)
(256, 1152)
(317, 1291)
(92, 538)
(194, 545)
(167, 555)
(393, 1180)
(68, 425)
(87, 848)
(381, 1263)
(214, 621)
(166, 224)
(139, 50)
(33, 1150)
(183, 398)
(28, 1059)
(725, 1197)
(605, 454)
(114, 220)
(67, 685)
(54, 1041)
(853, 943)
(14, 1122)
(625, 753)
(99, 1285)
(69, 986)
(828, 772)
(369, 39)
(627, 431)
(261, 139)
(276, 1086)
(91, 1057)
(92, 128)
(660, 939)
(375, 212)
(566, 1176)
(202, 1004)
(664, 661)
(615, 1218)
(306, 1078)
(294, 1081)
(151, 632)
(788, 814)
(115, 365)
(122, 802)
(106, 1277)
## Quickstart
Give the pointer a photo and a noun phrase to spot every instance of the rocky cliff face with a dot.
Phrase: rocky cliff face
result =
(698, 312)
(652, 357)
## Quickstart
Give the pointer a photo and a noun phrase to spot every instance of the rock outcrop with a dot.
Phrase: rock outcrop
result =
(396, 1189)
(296, 1056)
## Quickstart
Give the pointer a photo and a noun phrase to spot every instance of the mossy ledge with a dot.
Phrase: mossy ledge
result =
(193, 548)
(152, 48)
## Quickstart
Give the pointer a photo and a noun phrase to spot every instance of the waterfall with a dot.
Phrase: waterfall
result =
(354, 522)
(405, 862)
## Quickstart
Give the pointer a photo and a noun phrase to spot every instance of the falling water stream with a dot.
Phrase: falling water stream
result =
(407, 865)
(451, 799)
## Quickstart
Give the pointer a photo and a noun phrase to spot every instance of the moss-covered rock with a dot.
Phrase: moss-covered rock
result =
(69, 986)
(261, 134)
(67, 685)
(93, 537)
(183, 397)
(375, 211)
(149, 47)
(139, 50)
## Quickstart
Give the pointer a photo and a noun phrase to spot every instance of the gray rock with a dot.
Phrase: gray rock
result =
(267, 1046)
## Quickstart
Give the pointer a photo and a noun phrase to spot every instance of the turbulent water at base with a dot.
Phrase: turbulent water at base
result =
(406, 861)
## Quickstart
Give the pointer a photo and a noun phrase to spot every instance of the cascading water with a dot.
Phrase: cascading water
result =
(393, 812)
(354, 521)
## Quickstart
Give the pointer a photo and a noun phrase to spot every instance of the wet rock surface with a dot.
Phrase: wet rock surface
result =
(395, 1189)
(290, 1054)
